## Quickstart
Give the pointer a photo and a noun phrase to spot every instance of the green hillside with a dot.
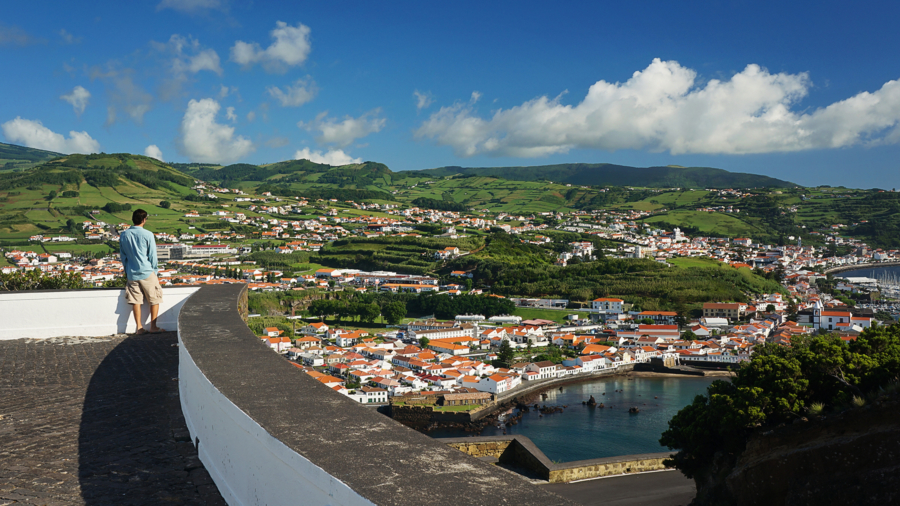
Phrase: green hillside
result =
(606, 174)
(19, 157)
(44, 198)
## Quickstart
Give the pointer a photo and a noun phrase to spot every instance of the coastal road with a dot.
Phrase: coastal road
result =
(664, 488)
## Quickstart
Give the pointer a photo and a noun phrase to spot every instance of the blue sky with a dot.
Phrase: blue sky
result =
(801, 91)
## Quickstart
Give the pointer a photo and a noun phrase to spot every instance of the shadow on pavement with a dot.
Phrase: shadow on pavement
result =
(133, 447)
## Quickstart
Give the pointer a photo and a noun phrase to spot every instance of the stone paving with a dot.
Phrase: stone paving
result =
(96, 421)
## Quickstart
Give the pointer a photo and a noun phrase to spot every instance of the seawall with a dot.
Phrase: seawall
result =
(845, 268)
(520, 452)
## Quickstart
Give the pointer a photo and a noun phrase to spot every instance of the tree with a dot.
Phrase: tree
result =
(165, 204)
(37, 280)
(394, 312)
(689, 335)
(770, 308)
(646, 321)
(52, 195)
(776, 387)
(368, 312)
(424, 341)
(506, 353)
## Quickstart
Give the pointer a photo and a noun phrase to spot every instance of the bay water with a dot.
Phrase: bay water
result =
(582, 432)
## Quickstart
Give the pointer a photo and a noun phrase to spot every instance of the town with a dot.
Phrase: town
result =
(469, 360)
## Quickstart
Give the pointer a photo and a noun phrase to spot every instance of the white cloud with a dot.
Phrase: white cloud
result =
(225, 91)
(68, 38)
(188, 56)
(342, 133)
(333, 157)
(230, 115)
(78, 98)
(192, 6)
(301, 92)
(33, 134)
(290, 48)
(204, 140)
(154, 152)
(423, 100)
(183, 58)
(664, 108)
(475, 96)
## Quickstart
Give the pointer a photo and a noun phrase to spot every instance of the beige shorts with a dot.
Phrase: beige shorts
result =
(135, 291)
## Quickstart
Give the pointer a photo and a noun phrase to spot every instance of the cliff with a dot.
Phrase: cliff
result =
(848, 458)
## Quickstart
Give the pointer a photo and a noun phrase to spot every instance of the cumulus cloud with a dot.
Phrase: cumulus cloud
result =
(230, 115)
(333, 157)
(423, 100)
(78, 98)
(290, 48)
(68, 38)
(192, 6)
(664, 108)
(204, 140)
(33, 134)
(154, 152)
(301, 92)
(343, 132)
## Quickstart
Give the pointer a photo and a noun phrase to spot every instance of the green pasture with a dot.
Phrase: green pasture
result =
(718, 223)
(694, 262)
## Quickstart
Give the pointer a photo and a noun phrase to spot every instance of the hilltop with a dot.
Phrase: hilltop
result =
(19, 157)
(607, 174)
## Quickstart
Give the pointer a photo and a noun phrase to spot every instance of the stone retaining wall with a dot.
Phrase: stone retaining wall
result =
(520, 451)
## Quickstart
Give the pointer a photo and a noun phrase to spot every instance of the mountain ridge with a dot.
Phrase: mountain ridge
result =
(607, 174)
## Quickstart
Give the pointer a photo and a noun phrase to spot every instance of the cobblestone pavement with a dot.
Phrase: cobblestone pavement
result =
(96, 421)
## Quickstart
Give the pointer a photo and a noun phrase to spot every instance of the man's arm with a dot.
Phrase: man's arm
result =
(151, 255)
(122, 256)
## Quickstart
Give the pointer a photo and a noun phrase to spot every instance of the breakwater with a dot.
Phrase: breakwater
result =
(860, 267)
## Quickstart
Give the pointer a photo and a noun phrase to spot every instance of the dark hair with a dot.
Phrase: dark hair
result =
(138, 216)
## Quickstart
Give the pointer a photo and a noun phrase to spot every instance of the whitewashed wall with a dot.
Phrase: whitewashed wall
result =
(249, 465)
(91, 313)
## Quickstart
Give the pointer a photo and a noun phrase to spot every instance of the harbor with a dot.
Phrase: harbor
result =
(566, 428)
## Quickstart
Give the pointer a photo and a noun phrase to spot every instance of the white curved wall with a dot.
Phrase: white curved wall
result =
(90, 313)
(248, 465)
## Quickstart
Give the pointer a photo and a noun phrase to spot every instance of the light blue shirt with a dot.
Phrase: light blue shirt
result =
(138, 253)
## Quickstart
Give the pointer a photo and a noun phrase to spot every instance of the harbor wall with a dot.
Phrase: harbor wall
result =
(520, 452)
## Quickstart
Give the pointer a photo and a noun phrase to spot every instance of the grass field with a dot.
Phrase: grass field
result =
(691, 262)
(76, 249)
(717, 223)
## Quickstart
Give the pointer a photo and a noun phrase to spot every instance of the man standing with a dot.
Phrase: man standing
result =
(138, 254)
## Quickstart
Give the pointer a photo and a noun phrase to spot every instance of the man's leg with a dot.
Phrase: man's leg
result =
(136, 309)
(154, 312)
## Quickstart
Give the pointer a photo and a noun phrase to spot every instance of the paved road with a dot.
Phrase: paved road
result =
(666, 488)
(96, 422)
